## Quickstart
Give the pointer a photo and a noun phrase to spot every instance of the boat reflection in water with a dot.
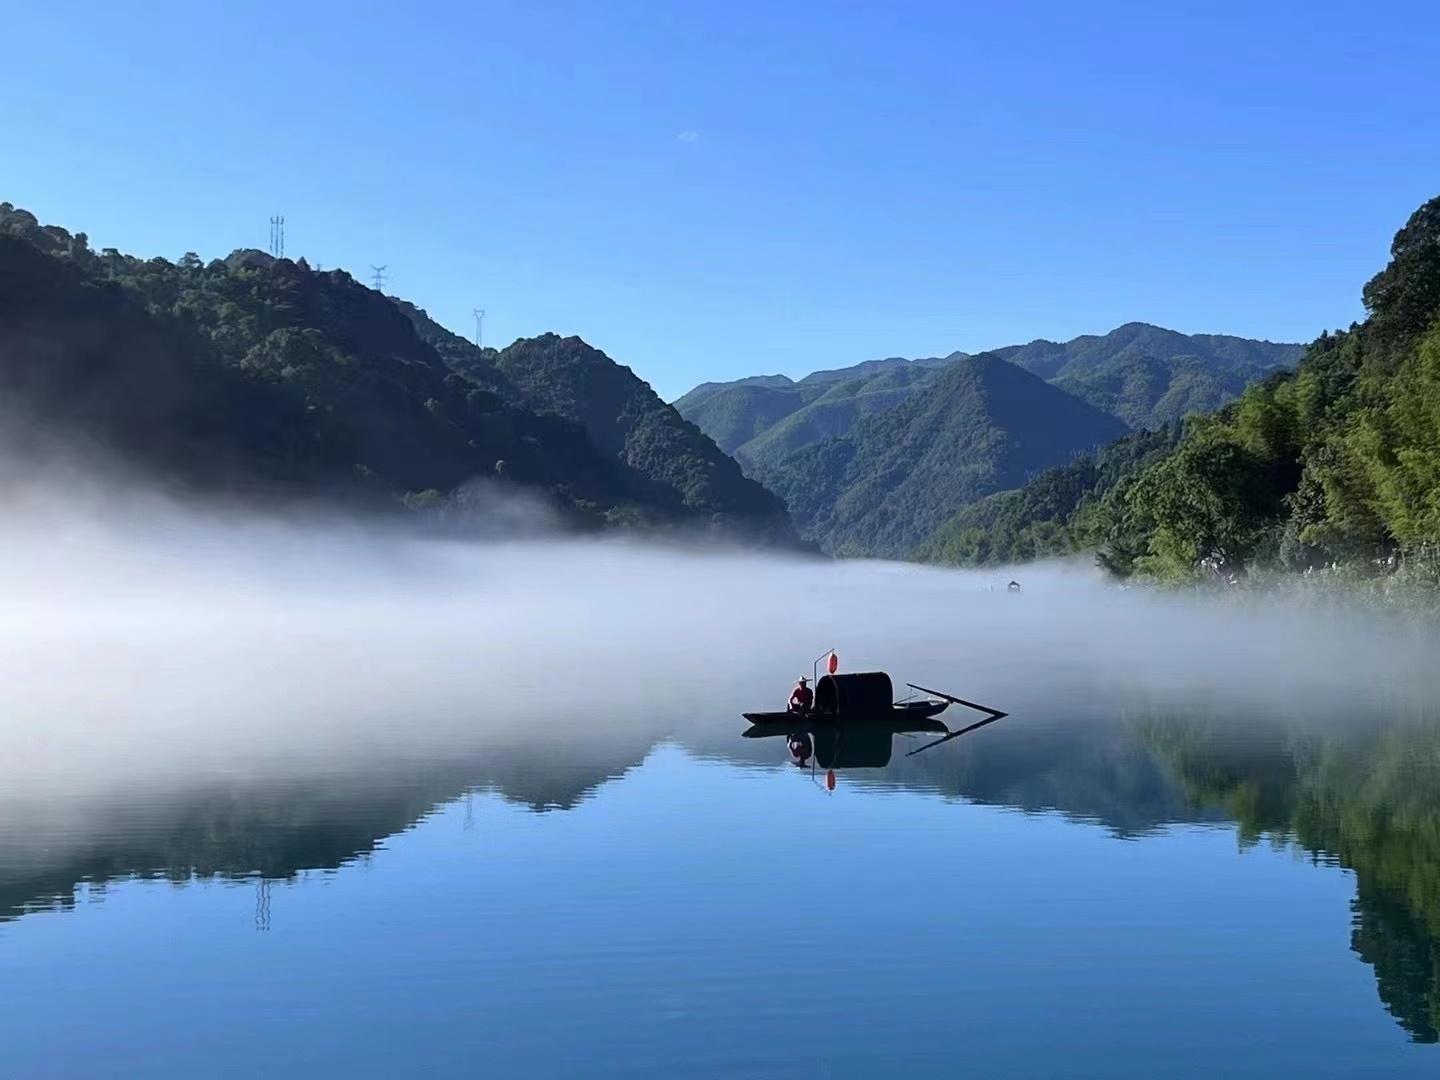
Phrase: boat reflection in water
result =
(843, 745)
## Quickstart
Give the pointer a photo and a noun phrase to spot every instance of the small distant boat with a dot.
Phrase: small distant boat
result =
(868, 698)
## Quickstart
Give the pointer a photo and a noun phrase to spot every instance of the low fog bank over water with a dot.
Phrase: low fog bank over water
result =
(142, 643)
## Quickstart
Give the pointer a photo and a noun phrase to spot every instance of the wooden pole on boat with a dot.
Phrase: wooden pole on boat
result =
(815, 667)
(994, 714)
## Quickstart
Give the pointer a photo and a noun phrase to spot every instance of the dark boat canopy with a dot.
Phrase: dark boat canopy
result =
(864, 693)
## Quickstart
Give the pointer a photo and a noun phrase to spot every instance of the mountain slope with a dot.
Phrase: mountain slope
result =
(1137, 340)
(1149, 376)
(256, 384)
(763, 417)
(623, 418)
(835, 405)
(82, 359)
(1145, 375)
(1054, 514)
(734, 414)
(982, 425)
(262, 373)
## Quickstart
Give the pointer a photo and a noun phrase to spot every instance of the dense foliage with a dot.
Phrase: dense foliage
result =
(1060, 512)
(981, 426)
(1338, 463)
(1333, 466)
(264, 373)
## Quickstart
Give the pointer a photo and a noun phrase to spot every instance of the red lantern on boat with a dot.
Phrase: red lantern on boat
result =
(833, 664)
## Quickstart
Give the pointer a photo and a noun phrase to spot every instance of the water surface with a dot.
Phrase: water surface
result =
(1117, 895)
(305, 797)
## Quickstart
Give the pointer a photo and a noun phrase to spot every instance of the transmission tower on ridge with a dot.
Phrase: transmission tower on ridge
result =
(277, 236)
(479, 327)
(379, 277)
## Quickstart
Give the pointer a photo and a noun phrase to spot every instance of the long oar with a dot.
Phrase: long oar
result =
(994, 714)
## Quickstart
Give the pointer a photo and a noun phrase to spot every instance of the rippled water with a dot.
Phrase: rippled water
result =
(1113, 895)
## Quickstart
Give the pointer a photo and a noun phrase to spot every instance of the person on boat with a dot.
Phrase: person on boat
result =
(802, 697)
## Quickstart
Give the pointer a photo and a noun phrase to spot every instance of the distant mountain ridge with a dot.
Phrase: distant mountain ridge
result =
(886, 484)
(1149, 376)
(760, 419)
(872, 459)
(1145, 375)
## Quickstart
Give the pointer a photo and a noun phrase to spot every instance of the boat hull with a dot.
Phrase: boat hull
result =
(896, 714)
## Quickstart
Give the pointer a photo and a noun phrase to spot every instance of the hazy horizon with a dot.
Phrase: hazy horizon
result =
(140, 629)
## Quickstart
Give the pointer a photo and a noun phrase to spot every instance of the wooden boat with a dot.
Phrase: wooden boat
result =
(861, 697)
(867, 699)
(794, 724)
(899, 712)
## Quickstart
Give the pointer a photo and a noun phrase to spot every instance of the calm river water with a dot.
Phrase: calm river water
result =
(296, 797)
(1098, 894)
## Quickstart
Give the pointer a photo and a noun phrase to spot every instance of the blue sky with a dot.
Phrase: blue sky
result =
(713, 190)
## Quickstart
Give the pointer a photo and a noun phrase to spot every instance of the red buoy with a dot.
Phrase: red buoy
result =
(829, 779)
(833, 664)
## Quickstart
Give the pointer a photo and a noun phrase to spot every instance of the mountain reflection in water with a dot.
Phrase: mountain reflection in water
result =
(1362, 795)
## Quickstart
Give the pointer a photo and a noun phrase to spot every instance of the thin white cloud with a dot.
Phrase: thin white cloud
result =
(688, 136)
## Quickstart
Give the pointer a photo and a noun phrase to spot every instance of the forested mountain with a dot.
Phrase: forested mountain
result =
(1149, 376)
(761, 418)
(981, 426)
(1335, 463)
(835, 406)
(1059, 512)
(262, 373)
(1144, 375)
(620, 413)
(856, 501)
